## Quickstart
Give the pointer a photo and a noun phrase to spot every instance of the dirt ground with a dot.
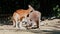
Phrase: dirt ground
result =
(50, 27)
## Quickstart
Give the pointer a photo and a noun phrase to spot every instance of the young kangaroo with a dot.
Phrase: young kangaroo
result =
(19, 15)
(34, 18)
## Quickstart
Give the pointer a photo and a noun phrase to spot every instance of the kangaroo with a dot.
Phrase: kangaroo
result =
(18, 15)
(34, 18)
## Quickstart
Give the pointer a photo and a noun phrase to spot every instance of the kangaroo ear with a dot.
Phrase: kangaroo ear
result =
(29, 5)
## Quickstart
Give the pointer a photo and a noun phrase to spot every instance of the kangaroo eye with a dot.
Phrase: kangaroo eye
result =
(28, 15)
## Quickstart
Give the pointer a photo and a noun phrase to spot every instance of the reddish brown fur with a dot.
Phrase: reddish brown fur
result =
(21, 14)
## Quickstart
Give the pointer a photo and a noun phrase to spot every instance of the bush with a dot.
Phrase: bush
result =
(56, 10)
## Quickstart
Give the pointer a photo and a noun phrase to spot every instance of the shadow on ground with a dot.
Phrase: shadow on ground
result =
(44, 31)
(47, 32)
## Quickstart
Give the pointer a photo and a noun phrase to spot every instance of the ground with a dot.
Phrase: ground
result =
(50, 27)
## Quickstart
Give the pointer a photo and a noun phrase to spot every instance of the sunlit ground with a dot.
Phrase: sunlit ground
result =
(52, 27)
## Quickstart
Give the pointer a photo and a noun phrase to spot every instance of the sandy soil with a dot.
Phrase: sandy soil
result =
(50, 27)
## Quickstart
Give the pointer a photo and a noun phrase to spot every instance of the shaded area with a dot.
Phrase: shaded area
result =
(45, 31)
(42, 31)
(44, 6)
(6, 20)
(52, 32)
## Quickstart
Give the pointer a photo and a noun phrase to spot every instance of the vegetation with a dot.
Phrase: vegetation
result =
(48, 8)
(56, 10)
